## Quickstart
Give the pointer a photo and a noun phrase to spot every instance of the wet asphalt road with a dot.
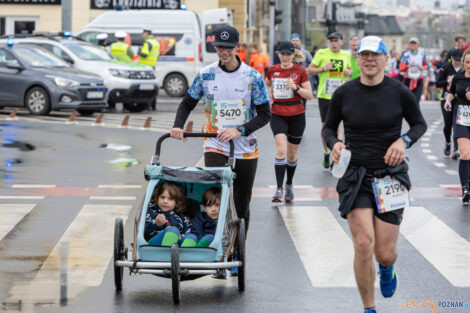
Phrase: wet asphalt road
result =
(37, 274)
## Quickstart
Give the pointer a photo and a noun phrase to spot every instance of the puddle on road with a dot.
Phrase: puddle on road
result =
(123, 150)
(20, 145)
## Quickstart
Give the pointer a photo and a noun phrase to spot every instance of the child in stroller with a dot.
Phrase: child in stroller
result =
(165, 224)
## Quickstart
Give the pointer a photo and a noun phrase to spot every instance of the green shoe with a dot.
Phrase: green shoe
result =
(169, 239)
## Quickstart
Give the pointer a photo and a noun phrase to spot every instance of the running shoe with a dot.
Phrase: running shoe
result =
(289, 193)
(370, 310)
(388, 280)
(234, 270)
(447, 149)
(221, 274)
(278, 195)
(465, 195)
(455, 154)
(327, 162)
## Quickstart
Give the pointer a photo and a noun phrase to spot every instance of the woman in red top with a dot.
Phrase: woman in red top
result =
(290, 85)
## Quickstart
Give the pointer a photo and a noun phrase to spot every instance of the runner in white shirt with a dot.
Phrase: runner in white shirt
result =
(236, 104)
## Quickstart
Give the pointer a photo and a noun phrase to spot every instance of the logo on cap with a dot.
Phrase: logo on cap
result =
(224, 35)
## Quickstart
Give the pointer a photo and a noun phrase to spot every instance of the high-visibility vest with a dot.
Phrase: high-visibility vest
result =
(151, 47)
(119, 51)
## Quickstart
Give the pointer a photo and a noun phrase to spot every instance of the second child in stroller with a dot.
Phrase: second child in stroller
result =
(205, 223)
(165, 224)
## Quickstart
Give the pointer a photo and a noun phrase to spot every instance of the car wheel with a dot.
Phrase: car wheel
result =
(175, 85)
(37, 101)
(135, 106)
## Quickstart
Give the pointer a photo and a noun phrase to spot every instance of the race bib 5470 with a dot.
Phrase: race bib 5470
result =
(229, 114)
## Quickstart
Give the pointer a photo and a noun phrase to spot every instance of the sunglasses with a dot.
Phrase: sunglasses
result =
(365, 55)
(224, 48)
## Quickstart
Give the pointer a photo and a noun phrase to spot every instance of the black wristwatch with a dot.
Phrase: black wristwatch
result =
(241, 129)
(298, 87)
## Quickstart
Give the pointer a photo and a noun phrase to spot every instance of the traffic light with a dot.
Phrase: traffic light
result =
(277, 17)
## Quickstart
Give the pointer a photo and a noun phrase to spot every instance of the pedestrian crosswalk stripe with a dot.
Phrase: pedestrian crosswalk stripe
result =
(21, 197)
(11, 214)
(445, 249)
(79, 259)
(32, 186)
(323, 246)
(451, 172)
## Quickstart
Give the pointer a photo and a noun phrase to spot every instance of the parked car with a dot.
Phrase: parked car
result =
(183, 49)
(32, 77)
(135, 85)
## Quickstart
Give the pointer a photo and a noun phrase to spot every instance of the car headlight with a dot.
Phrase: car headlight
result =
(64, 82)
(119, 73)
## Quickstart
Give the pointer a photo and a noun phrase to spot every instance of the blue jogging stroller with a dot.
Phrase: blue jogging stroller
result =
(185, 263)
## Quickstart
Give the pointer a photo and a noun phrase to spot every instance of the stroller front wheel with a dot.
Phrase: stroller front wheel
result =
(119, 252)
(175, 273)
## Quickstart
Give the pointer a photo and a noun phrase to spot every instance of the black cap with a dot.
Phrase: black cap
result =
(286, 47)
(456, 54)
(226, 36)
(335, 35)
(146, 30)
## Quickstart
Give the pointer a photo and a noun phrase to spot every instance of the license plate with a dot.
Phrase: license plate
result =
(146, 87)
(94, 95)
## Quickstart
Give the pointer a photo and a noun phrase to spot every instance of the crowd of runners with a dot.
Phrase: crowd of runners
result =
(364, 95)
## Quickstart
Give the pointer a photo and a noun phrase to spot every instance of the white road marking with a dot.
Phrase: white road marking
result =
(424, 144)
(313, 230)
(22, 197)
(425, 138)
(450, 186)
(120, 186)
(295, 186)
(426, 150)
(431, 157)
(446, 250)
(102, 198)
(79, 260)
(305, 199)
(32, 186)
(11, 214)
(439, 164)
(451, 172)
(200, 163)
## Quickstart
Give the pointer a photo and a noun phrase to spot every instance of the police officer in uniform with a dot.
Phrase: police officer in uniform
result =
(121, 50)
(150, 50)
(102, 40)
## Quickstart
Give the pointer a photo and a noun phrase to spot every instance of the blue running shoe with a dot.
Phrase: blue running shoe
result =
(388, 280)
(234, 270)
(370, 310)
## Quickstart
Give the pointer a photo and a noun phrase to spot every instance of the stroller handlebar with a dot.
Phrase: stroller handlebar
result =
(156, 157)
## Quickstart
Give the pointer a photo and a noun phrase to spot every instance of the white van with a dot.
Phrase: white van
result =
(179, 33)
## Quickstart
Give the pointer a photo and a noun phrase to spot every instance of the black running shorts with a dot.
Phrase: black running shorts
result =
(292, 126)
(366, 199)
(323, 105)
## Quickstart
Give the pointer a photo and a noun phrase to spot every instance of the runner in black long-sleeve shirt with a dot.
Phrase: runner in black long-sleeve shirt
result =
(444, 78)
(372, 109)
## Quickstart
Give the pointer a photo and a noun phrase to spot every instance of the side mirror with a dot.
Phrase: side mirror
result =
(68, 59)
(15, 66)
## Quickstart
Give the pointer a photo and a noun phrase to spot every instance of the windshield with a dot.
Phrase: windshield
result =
(88, 52)
(38, 57)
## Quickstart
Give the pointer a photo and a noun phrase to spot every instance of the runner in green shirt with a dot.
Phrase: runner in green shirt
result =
(333, 65)
(353, 43)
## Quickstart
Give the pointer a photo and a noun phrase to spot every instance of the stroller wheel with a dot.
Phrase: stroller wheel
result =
(175, 273)
(241, 254)
(119, 252)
